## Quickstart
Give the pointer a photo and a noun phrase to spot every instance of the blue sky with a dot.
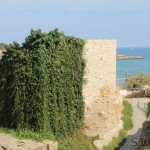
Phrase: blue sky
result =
(127, 21)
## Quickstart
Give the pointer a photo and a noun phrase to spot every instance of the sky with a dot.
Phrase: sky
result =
(127, 21)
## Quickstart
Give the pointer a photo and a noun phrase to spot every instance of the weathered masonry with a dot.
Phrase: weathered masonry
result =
(100, 56)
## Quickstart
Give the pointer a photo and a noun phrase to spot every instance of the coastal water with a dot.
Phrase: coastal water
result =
(135, 66)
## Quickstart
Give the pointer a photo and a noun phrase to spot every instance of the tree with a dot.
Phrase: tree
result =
(138, 81)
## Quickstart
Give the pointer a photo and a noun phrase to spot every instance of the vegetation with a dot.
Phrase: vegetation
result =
(117, 142)
(41, 90)
(41, 84)
(148, 110)
(77, 141)
(28, 134)
(127, 115)
(137, 81)
(74, 141)
(2, 46)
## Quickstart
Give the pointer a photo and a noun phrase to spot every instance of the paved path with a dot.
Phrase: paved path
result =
(138, 119)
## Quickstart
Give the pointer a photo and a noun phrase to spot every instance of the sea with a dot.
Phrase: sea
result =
(133, 67)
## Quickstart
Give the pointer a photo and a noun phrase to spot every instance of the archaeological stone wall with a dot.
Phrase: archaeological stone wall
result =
(100, 56)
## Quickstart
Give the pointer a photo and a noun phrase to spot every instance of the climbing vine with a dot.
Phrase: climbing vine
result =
(41, 83)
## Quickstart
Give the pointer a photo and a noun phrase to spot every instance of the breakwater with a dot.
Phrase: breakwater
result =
(123, 57)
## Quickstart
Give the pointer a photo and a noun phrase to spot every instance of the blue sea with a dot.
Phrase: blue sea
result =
(135, 66)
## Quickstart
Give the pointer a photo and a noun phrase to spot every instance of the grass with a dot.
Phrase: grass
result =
(118, 141)
(28, 134)
(77, 141)
(127, 115)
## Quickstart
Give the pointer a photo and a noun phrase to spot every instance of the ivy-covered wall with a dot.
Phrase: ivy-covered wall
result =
(41, 83)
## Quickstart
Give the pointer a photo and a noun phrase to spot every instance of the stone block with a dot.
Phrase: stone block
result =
(51, 145)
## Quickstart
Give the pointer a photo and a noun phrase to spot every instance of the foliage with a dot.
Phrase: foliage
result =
(127, 115)
(148, 110)
(28, 134)
(77, 141)
(41, 84)
(138, 81)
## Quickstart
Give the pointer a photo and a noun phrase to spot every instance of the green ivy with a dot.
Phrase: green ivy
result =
(41, 83)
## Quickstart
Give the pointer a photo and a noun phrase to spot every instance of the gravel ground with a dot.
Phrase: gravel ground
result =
(138, 119)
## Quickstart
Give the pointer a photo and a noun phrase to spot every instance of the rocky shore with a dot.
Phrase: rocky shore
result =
(123, 57)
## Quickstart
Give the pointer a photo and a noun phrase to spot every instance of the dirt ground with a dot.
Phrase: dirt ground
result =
(104, 114)
(103, 117)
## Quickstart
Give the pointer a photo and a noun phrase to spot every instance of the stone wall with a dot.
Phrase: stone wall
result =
(103, 103)
(100, 56)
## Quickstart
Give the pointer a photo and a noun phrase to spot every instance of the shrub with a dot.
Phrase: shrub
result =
(148, 110)
(137, 81)
(77, 141)
(41, 83)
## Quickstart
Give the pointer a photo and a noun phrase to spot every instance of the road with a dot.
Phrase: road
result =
(138, 119)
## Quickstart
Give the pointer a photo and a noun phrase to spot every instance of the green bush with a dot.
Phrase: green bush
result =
(148, 110)
(137, 81)
(77, 141)
(127, 115)
(41, 84)
(28, 134)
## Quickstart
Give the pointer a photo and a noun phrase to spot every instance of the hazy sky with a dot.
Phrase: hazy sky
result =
(127, 21)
